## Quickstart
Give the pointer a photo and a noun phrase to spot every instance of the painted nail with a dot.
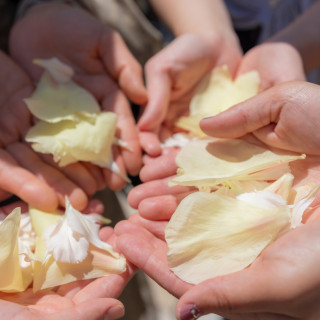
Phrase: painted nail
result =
(115, 312)
(189, 312)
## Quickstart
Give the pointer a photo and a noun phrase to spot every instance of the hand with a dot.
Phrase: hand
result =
(285, 116)
(22, 171)
(78, 301)
(148, 253)
(283, 283)
(251, 293)
(86, 299)
(276, 63)
(172, 75)
(101, 61)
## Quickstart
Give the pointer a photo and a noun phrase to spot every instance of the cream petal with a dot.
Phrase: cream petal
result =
(54, 102)
(15, 278)
(216, 93)
(211, 235)
(70, 142)
(97, 264)
(210, 162)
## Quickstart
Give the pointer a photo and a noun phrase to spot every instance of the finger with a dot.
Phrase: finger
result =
(155, 227)
(24, 184)
(94, 309)
(159, 88)
(148, 253)
(123, 67)
(152, 189)
(150, 143)
(160, 207)
(4, 195)
(112, 99)
(126, 131)
(161, 167)
(252, 114)
(7, 209)
(114, 180)
(105, 233)
(77, 173)
(94, 206)
(110, 286)
(51, 176)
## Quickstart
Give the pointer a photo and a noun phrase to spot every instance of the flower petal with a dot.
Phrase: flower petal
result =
(14, 278)
(211, 235)
(210, 162)
(88, 140)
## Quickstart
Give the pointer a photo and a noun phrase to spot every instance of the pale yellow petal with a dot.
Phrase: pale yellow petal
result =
(216, 93)
(97, 264)
(211, 235)
(88, 140)
(209, 162)
(13, 277)
(53, 101)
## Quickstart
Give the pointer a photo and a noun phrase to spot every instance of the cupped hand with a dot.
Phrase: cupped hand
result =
(173, 74)
(282, 284)
(148, 253)
(276, 62)
(285, 116)
(79, 300)
(101, 61)
(22, 171)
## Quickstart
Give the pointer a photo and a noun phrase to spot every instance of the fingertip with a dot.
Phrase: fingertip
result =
(77, 198)
(150, 143)
(115, 312)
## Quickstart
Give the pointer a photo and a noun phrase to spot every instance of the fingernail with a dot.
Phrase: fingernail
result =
(189, 312)
(115, 312)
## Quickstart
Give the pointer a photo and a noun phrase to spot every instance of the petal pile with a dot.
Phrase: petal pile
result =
(51, 249)
(71, 126)
(212, 234)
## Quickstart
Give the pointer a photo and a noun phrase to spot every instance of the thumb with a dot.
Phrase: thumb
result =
(246, 117)
(240, 293)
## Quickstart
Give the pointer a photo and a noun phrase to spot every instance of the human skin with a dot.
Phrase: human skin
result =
(284, 117)
(102, 64)
(80, 300)
(204, 38)
(253, 293)
(22, 171)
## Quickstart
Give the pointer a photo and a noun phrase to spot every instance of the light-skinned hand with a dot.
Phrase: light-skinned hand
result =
(22, 171)
(102, 63)
(285, 116)
(171, 78)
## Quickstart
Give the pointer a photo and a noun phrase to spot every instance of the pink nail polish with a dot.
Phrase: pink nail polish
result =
(189, 312)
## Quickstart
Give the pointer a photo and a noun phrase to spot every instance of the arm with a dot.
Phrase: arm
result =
(204, 39)
(303, 34)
